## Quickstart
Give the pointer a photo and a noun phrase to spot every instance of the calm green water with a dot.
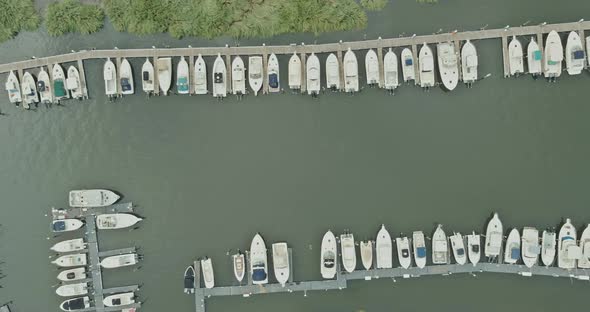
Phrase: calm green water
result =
(208, 174)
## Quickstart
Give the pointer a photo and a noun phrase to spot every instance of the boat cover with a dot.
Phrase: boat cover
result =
(405, 253)
(460, 252)
(475, 248)
(578, 55)
(273, 80)
(182, 84)
(258, 274)
(409, 62)
(74, 304)
(421, 252)
(515, 253)
(125, 86)
(59, 89)
(59, 226)
(218, 77)
(537, 55)
(146, 76)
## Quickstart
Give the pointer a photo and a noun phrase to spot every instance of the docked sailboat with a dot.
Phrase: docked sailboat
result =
(512, 252)
(408, 70)
(328, 255)
(274, 84)
(69, 245)
(367, 254)
(109, 73)
(294, 72)
(351, 74)
(66, 225)
(112, 221)
(73, 83)
(530, 246)
(238, 76)
(60, 91)
(71, 275)
(548, 248)
(70, 290)
(426, 65)
(189, 280)
(120, 299)
(164, 68)
(182, 77)
(255, 73)
(208, 274)
(44, 86)
(258, 261)
(92, 198)
(553, 56)
(469, 63)
(419, 249)
(72, 260)
(200, 75)
(473, 248)
(494, 237)
(348, 252)
(575, 58)
(332, 72)
(13, 89)
(447, 65)
(584, 261)
(384, 249)
(390, 71)
(280, 261)
(239, 265)
(403, 251)
(119, 261)
(568, 250)
(147, 76)
(31, 97)
(515, 58)
(372, 68)
(219, 76)
(126, 74)
(313, 75)
(534, 58)
(75, 304)
(458, 247)
(440, 247)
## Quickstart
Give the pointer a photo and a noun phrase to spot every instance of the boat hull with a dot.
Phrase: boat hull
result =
(274, 84)
(512, 251)
(384, 249)
(372, 68)
(408, 69)
(328, 255)
(515, 61)
(419, 245)
(548, 248)
(494, 238)
(404, 255)
(351, 76)
(469, 62)
(119, 261)
(313, 75)
(426, 65)
(440, 247)
(238, 76)
(448, 65)
(575, 57)
(348, 252)
(92, 198)
(200, 76)
(113, 221)
(258, 261)
(367, 254)
(530, 246)
(295, 72)
(208, 273)
(255, 73)
(147, 77)
(164, 69)
(474, 248)
(332, 72)
(69, 245)
(219, 77)
(390, 71)
(126, 82)
(182, 77)
(280, 261)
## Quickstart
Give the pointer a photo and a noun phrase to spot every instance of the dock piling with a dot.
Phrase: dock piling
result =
(416, 64)
(505, 56)
(381, 69)
(303, 73)
(191, 72)
(228, 71)
(542, 48)
(340, 65)
(118, 71)
(264, 69)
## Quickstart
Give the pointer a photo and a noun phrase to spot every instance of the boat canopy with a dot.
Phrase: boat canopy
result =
(41, 85)
(125, 85)
(218, 77)
(409, 61)
(258, 274)
(421, 252)
(515, 253)
(460, 251)
(59, 226)
(578, 55)
(475, 248)
(537, 55)
(146, 76)
(273, 80)
(58, 88)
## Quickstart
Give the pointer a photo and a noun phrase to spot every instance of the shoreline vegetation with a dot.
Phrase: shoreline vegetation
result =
(71, 16)
(15, 16)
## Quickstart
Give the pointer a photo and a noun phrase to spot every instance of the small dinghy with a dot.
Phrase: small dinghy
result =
(512, 252)
(372, 68)
(440, 247)
(295, 72)
(70, 290)
(575, 56)
(164, 68)
(31, 97)
(515, 61)
(313, 75)
(200, 75)
(239, 264)
(553, 56)
(258, 261)
(403, 252)
(367, 254)
(458, 247)
(426, 65)
(332, 73)
(219, 76)
(280, 261)
(390, 71)
(273, 74)
(72, 260)
(109, 73)
(328, 255)
(384, 249)
(408, 70)
(13, 89)
(419, 245)
(348, 252)
(255, 73)
(351, 72)
(548, 249)
(182, 77)
(534, 58)
(119, 261)
(208, 275)
(126, 74)
(147, 76)
(469, 63)
(60, 92)
(73, 83)
(494, 238)
(448, 65)
(189, 280)
(584, 261)
(238, 76)
(66, 225)
(568, 250)
(44, 86)
(92, 198)
(530, 246)
(75, 304)
(121, 299)
(71, 275)
(69, 245)
(112, 221)
(474, 248)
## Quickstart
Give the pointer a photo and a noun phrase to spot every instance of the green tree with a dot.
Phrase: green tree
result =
(69, 16)
(17, 15)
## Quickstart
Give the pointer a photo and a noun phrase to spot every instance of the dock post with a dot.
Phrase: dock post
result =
(340, 66)
(119, 91)
(191, 72)
(156, 81)
(303, 72)
(505, 57)
(381, 69)
(458, 53)
(542, 49)
(264, 69)
(416, 64)
(228, 71)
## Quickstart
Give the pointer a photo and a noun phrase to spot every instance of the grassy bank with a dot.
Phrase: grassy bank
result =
(15, 16)
(72, 16)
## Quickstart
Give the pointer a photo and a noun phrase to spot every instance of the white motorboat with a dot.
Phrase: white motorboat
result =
(351, 72)
(447, 65)
(147, 76)
(189, 280)
(515, 57)
(74, 274)
(126, 74)
(72, 260)
(313, 75)
(348, 252)
(458, 247)
(367, 254)
(66, 225)
(512, 252)
(200, 75)
(426, 65)
(112, 221)
(119, 261)
(553, 55)
(419, 245)
(390, 71)
(13, 88)
(92, 198)
(109, 73)
(332, 72)
(474, 248)
(75, 304)
(469, 63)
(274, 84)
(208, 274)
(44, 86)
(255, 73)
(530, 246)
(384, 249)
(568, 250)
(534, 58)
(440, 247)
(372, 67)
(73, 83)
(69, 245)
(182, 77)
(584, 261)
(164, 68)
(404, 255)
(219, 76)
(494, 237)
(239, 265)
(258, 261)
(328, 255)
(408, 70)
(120, 299)
(60, 92)
(238, 76)
(548, 248)
(70, 290)
(29, 88)
(295, 72)
(575, 58)
(280, 261)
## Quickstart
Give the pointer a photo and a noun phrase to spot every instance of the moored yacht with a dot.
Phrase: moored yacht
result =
(348, 252)
(208, 274)
(109, 74)
(515, 58)
(332, 72)
(474, 248)
(164, 68)
(280, 261)
(72, 260)
(404, 254)
(426, 65)
(548, 248)
(200, 76)
(255, 72)
(372, 68)
(29, 88)
(239, 265)
(120, 299)
(447, 65)
(351, 73)
(60, 91)
(238, 76)
(390, 71)
(295, 72)
(69, 245)
(328, 255)
(469, 63)
(70, 290)
(112, 221)
(75, 304)
(189, 280)
(408, 70)
(182, 77)
(458, 247)
(92, 198)
(119, 261)
(66, 225)
(70, 275)
(419, 248)
(530, 246)
(384, 249)
(126, 74)
(13, 88)
(575, 58)
(367, 254)
(512, 252)
(274, 84)
(44, 86)
(553, 56)
(494, 237)
(440, 247)
(73, 83)
(534, 58)
(219, 76)
(313, 75)
(258, 261)
(568, 250)
(147, 76)
(584, 261)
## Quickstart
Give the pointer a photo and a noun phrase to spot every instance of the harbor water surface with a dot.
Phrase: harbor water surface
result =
(209, 174)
